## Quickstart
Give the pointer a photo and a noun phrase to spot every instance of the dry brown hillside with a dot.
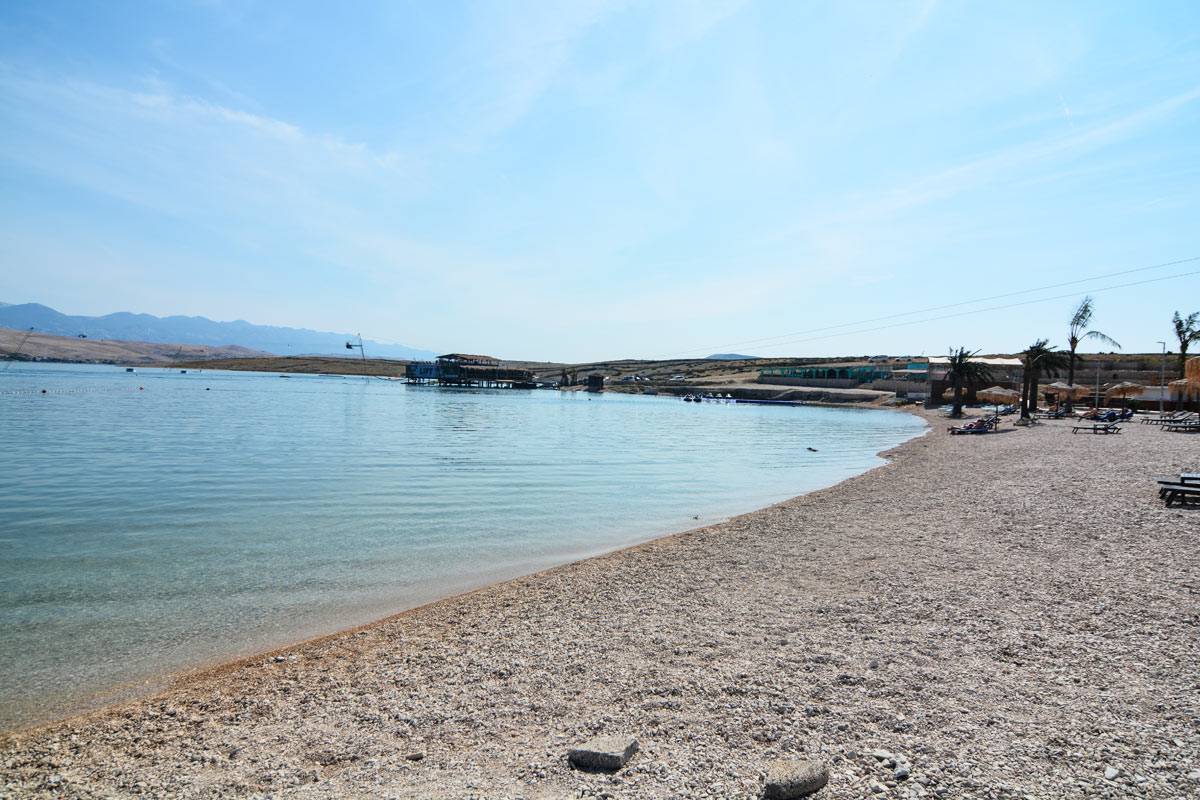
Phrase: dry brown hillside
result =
(14, 346)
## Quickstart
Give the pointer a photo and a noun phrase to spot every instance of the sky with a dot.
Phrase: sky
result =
(576, 181)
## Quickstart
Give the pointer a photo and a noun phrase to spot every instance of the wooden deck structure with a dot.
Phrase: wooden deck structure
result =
(462, 369)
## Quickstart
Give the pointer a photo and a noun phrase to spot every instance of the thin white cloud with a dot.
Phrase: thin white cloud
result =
(510, 60)
(1006, 164)
(683, 22)
(177, 154)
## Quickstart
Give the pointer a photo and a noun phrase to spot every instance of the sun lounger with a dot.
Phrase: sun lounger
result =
(1182, 493)
(984, 425)
(1178, 416)
(1182, 427)
(1169, 481)
(1062, 412)
(1107, 427)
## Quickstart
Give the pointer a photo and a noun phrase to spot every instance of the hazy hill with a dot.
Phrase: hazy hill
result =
(126, 326)
(26, 346)
(729, 357)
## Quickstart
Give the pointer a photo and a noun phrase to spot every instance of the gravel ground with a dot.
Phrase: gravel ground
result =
(1012, 615)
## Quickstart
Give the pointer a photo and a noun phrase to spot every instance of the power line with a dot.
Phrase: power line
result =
(941, 307)
(985, 310)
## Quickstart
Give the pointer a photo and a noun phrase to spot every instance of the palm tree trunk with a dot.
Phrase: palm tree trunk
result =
(1071, 379)
(1025, 394)
(1029, 391)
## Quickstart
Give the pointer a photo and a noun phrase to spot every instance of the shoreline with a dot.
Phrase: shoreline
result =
(966, 604)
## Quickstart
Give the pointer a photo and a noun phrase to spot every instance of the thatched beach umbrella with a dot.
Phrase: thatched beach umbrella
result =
(998, 395)
(1184, 388)
(1072, 390)
(1066, 391)
(1123, 389)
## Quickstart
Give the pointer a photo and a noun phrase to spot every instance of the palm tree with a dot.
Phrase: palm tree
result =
(1187, 332)
(1039, 358)
(1077, 332)
(964, 371)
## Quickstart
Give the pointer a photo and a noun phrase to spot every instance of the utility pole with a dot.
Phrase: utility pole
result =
(361, 352)
(12, 357)
(1162, 377)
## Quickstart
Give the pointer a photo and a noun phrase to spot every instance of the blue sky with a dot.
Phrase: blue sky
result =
(587, 180)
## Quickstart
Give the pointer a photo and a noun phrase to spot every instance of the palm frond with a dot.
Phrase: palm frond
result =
(1082, 315)
(1102, 337)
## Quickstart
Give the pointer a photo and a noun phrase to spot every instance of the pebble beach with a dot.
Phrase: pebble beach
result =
(1009, 615)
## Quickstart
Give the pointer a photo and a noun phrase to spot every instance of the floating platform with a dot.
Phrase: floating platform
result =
(772, 402)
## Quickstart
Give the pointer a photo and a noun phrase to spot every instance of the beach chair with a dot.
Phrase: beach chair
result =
(976, 426)
(1182, 418)
(1184, 479)
(1104, 427)
(1182, 427)
(1177, 416)
(1183, 493)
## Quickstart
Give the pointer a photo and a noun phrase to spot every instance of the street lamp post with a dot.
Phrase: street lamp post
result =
(1162, 378)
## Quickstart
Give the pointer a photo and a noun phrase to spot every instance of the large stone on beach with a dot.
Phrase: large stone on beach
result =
(606, 753)
(790, 779)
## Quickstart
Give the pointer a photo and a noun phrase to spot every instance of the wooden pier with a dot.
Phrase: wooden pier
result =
(461, 369)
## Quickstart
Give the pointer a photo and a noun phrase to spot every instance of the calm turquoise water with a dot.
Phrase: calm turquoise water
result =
(159, 521)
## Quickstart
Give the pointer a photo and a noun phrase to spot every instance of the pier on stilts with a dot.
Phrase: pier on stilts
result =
(461, 369)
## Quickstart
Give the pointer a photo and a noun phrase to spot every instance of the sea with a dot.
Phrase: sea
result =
(158, 521)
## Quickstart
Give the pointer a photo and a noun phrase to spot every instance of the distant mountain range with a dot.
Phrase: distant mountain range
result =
(728, 357)
(196, 330)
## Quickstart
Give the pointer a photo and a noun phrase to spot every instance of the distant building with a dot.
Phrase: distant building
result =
(828, 375)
